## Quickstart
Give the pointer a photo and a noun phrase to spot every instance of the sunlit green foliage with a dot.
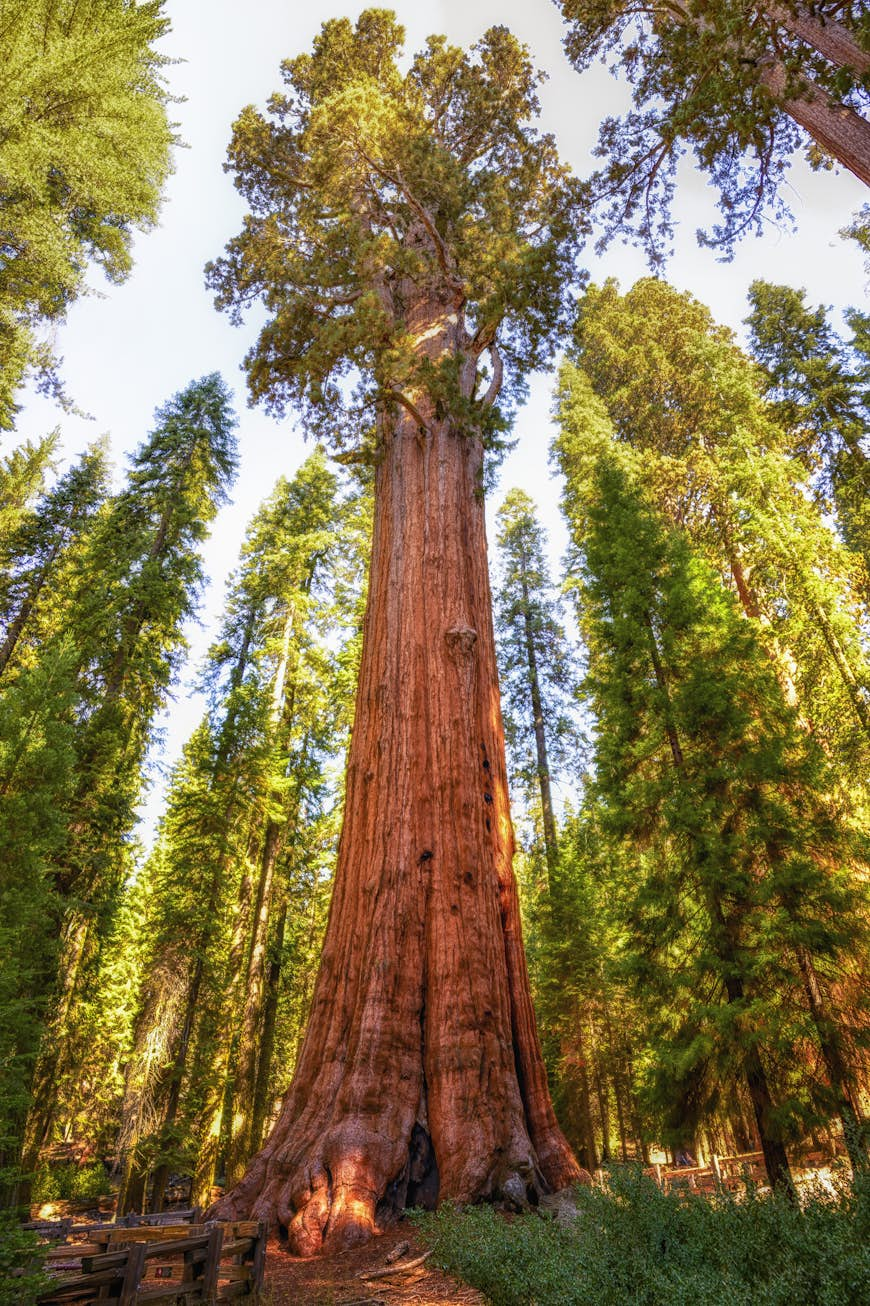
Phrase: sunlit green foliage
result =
(820, 385)
(84, 153)
(369, 188)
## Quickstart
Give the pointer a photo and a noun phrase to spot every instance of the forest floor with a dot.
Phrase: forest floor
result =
(344, 1279)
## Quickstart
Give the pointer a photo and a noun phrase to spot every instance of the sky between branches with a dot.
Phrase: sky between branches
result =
(129, 348)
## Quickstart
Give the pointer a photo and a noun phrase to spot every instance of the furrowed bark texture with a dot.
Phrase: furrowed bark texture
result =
(421, 1074)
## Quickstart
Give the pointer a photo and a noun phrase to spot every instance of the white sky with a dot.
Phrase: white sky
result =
(129, 348)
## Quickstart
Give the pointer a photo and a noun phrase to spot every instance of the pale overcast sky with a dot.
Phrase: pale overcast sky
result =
(128, 348)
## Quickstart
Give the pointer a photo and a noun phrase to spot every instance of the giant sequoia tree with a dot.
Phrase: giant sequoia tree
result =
(741, 85)
(403, 229)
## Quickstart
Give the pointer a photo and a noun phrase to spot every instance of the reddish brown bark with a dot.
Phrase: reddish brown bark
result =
(421, 1074)
(833, 41)
(839, 129)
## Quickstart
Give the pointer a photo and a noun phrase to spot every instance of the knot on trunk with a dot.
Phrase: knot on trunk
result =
(461, 641)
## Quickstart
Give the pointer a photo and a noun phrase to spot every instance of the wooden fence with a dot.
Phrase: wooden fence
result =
(131, 1265)
(724, 1172)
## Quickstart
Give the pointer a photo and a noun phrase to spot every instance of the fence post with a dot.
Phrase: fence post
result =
(133, 1272)
(717, 1170)
(212, 1263)
(258, 1265)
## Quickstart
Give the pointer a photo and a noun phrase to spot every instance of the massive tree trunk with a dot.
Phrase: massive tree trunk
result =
(421, 1074)
(838, 128)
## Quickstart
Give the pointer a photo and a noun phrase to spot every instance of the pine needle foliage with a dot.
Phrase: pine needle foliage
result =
(84, 154)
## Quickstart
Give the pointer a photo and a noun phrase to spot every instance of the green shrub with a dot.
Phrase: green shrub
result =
(70, 1183)
(633, 1244)
(22, 1276)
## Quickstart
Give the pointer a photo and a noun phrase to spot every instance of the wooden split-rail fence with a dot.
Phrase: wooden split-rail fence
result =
(724, 1172)
(142, 1260)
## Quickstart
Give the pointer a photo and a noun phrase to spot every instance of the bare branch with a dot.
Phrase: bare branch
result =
(410, 407)
(497, 376)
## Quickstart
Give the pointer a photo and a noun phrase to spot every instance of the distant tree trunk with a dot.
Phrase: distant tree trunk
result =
(617, 1083)
(551, 846)
(260, 1098)
(842, 1081)
(421, 1073)
(218, 1072)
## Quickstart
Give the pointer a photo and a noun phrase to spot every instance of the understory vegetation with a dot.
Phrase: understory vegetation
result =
(634, 1243)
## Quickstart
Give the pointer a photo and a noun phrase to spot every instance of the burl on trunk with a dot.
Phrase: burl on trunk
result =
(421, 1073)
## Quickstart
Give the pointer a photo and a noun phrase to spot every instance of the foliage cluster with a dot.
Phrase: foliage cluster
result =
(22, 1276)
(70, 1182)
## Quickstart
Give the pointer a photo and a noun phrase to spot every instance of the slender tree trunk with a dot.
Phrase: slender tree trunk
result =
(775, 1159)
(175, 1076)
(846, 1098)
(617, 1083)
(575, 1073)
(254, 989)
(601, 1091)
(283, 699)
(551, 845)
(260, 1099)
(421, 1072)
(847, 675)
(212, 1113)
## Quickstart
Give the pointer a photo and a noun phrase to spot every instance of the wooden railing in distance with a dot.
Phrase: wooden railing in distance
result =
(196, 1263)
(723, 1172)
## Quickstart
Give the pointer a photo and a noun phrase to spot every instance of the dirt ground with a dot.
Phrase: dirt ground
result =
(341, 1280)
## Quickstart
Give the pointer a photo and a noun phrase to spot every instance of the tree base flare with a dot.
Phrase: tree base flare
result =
(320, 1211)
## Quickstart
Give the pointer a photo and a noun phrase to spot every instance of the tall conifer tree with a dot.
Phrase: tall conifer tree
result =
(744, 890)
(135, 584)
(534, 661)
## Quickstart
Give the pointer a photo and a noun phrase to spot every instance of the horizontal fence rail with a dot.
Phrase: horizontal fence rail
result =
(134, 1264)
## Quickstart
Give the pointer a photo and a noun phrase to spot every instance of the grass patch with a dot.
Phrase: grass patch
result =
(635, 1246)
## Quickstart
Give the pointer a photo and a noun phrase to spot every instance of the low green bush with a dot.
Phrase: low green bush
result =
(70, 1183)
(632, 1245)
(22, 1276)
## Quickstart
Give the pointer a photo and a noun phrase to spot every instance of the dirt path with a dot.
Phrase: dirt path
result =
(341, 1280)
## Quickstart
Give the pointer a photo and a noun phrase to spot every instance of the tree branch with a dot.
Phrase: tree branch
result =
(410, 407)
(497, 376)
(422, 213)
